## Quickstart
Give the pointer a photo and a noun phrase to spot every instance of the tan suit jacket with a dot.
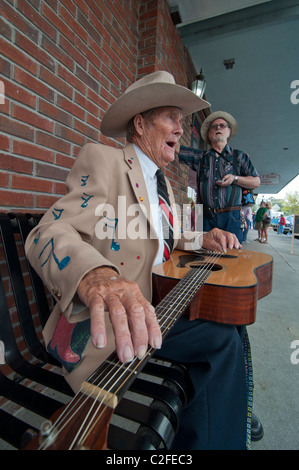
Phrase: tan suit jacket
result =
(106, 197)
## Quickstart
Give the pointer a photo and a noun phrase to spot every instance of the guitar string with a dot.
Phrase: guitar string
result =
(94, 417)
(184, 306)
(199, 273)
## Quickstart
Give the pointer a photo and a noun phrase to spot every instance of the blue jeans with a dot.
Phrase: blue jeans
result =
(280, 228)
(215, 416)
(229, 221)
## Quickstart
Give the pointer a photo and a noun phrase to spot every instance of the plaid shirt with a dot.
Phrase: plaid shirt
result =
(211, 167)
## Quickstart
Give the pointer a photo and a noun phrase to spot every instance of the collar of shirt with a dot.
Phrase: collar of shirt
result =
(227, 152)
(149, 169)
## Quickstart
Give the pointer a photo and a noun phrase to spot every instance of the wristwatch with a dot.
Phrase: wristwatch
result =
(235, 179)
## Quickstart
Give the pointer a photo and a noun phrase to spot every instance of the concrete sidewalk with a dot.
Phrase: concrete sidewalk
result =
(276, 378)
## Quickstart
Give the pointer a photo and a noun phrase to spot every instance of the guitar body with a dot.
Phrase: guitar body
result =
(230, 294)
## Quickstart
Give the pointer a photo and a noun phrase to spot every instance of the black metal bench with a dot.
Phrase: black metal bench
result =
(147, 417)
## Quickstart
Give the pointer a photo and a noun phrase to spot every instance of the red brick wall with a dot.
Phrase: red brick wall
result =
(63, 62)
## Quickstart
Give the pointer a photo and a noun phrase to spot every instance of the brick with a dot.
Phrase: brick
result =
(70, 107)
(72, 51)
(86, 104)
(18, 21)
(99, 12)
(54, 113)
(87, 130)
(5, 29)
(86, 78)
(63, 160)
(5, 67)
(31, 184)
(18, 57)
(98, 50)
(71, 21)
(37, 19)
(34, 119)
(53, 49)
(33, 84)
(91, 56)
(44, 202)
(4, 179)
(59, 188)
(69, 134)
(5, 161)
(51, 172)
(87, 25)
(4, 142)
(33, 151)
(5, 107)
(58, 24)
(96, 99)
(71, 78)
(82, 7)
(69, 6)
(97, 25)
(34, 51)
(15, 199)
(20, 165)
(12, 127)
(55, 82)
(94, 122)
(52, 142)
(18, 93)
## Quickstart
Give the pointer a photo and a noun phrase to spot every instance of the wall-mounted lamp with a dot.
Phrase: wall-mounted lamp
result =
(229, 63)
(175, 15)
(199, 85)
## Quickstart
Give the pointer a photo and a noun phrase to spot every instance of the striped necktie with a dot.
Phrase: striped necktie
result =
(167, 217)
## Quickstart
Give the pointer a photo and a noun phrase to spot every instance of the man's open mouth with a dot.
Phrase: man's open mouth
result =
(171, 144)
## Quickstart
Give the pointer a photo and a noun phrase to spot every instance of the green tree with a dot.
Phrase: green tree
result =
(291, 203)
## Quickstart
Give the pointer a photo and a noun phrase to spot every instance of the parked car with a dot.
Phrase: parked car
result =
(288, 228)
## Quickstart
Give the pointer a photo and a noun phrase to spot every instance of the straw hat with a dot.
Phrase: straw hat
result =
(155, 90)
(218, 115)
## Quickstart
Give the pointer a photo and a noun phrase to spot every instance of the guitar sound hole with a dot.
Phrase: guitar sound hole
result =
(215, 267)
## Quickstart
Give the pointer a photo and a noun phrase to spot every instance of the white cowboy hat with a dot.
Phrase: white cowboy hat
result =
(218, 115)
(155, 90)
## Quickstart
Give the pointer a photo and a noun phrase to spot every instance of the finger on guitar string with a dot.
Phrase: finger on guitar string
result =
(132, 317)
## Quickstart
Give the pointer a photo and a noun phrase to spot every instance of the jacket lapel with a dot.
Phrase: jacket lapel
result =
(137, 182)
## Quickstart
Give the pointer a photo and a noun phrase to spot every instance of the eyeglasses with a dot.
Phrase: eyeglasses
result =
(215, 126)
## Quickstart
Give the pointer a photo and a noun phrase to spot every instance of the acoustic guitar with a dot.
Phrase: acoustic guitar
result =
(84, 422)
(232, 283)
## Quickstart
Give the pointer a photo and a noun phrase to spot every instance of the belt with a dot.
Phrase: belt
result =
(227, 209)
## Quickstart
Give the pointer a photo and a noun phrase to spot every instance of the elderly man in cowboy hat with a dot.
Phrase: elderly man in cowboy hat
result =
(96, 257)
(222, 172)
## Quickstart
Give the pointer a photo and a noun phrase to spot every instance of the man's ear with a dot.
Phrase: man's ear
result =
(139, 124)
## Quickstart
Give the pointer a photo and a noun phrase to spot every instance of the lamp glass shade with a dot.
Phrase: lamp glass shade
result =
(199, 85)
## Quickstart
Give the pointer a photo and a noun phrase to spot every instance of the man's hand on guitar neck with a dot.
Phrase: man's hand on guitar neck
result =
(133, 318)
(220, 240)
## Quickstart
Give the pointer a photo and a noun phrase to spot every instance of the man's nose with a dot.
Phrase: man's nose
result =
(179, 129)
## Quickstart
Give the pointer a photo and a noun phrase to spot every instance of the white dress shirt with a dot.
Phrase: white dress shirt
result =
(149, 169)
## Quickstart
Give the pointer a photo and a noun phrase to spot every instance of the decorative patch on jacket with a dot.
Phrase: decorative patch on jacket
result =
(69, 342)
